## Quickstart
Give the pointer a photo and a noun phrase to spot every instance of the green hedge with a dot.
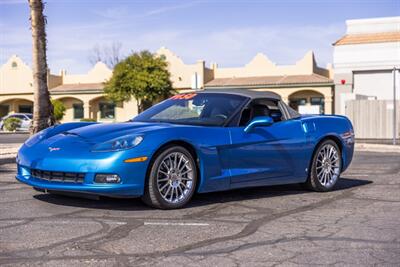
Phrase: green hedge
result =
(12, 124)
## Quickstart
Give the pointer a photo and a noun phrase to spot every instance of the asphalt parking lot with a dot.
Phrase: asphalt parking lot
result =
(13, 138)
(357, 224)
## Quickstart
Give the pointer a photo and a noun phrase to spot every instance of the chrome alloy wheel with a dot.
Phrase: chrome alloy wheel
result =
(328, 165)
(175, 177)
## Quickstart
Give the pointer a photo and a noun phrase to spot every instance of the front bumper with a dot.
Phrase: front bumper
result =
(88, 165)
(113, 190)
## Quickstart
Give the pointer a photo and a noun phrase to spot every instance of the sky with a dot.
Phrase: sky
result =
(230, 33)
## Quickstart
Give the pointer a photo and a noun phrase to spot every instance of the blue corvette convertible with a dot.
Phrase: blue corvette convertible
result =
(195, 142)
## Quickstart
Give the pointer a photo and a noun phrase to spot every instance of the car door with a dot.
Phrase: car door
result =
(268, 154)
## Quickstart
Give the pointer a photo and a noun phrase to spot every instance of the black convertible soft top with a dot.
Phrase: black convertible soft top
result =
(244, 92)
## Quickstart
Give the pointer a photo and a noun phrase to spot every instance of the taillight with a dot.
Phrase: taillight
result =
(348, 136)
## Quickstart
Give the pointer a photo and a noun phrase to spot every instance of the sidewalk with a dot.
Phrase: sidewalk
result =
(8, 152)
(377, 148)
(17, 132)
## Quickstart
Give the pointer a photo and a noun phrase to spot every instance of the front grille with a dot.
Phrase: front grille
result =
(72, 177)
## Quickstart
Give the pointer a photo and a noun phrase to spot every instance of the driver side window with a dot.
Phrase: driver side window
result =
(261, 107)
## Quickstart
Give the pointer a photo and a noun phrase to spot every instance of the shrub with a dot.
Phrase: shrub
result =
(59, 109)
(12, 124)
(88, 120)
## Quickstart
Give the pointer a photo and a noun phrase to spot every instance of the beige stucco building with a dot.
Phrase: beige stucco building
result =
(304, 85)
(81, 94)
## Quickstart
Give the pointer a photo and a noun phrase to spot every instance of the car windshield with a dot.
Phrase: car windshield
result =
(29, 116)
(209, 109)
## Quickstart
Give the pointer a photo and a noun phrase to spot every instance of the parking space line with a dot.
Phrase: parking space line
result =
(176, 224)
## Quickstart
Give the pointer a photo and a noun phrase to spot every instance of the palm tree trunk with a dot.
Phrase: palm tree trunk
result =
(42, 108)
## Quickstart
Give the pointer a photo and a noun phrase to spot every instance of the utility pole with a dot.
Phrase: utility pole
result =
(394, 107)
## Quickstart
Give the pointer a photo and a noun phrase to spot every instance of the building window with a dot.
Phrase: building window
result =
(318, 101)
(78, 110)
(25, 108)
(4, 110)
(107, 110)
(295, 103)
(14, 64)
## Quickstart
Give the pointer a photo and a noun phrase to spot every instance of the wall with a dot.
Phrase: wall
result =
(53, 80)
(375, 56)
(15, 103)
(260, 65)
(98, 74)
(124, 111)
(362, 26)
(68, 104)
(373, 119)
(15, 79)
(181, 73)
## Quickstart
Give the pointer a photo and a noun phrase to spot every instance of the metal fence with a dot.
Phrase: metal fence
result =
(373, 119)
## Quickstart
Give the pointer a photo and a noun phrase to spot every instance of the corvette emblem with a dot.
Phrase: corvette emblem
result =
(51, 149)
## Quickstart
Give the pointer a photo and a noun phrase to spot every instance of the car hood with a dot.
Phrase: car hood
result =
(102, 132)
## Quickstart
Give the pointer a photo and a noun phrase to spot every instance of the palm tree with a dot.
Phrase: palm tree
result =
(42, 107)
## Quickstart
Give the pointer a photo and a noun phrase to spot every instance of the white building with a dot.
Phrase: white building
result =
(364, 59)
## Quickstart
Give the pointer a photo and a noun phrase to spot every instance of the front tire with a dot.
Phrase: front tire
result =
(325, 168)
(172, 179)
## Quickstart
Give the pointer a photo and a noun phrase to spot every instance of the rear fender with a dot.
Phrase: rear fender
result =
(337, 128)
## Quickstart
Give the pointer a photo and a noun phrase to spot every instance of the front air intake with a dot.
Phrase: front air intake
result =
(55, 176)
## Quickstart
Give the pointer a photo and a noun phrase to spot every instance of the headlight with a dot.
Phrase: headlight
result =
(120, 143)
(36, 138)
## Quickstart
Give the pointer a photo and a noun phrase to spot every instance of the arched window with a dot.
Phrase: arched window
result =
(14, 64)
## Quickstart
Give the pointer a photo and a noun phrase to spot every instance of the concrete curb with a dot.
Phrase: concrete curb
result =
(7, 160)
(377, 148)
(19, 132)
(8, 152)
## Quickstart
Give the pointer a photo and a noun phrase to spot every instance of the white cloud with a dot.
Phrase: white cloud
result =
(113, 13)
(121, 13)
(69, 46)
(169, 8)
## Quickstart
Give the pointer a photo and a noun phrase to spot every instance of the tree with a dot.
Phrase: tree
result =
(109, 55)
(59, 109)
(143, 76)
(42, 108)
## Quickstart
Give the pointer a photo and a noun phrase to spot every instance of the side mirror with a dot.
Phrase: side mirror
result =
(257, 122)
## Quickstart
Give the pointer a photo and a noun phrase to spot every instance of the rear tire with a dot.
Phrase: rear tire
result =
(172, 179)
(325, 168)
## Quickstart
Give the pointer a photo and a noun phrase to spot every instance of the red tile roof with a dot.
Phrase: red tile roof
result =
(383, 37)
(76, 87)
(269, 80)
